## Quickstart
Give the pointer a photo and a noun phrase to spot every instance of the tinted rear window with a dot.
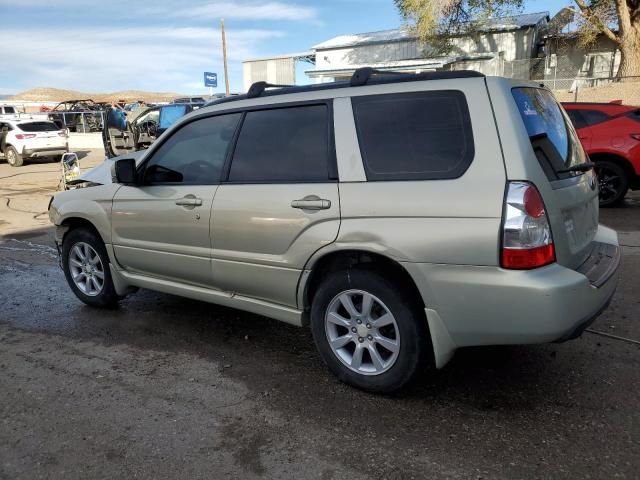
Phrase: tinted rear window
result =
(414, 136)
(552, 136)
(38, 127)
(283, 145)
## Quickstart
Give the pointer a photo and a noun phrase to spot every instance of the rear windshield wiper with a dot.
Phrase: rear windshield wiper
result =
(581, 167)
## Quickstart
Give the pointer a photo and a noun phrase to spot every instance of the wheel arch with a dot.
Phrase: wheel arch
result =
(615, 158)
(334, 260)
(75, 222)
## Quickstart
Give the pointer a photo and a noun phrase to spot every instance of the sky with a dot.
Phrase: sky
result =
(166, 45)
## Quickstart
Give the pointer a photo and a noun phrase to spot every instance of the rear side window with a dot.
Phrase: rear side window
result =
(38, 127)
(9, 110)
(593, 117)
(283, 145)
(552, 136)
(414, 136)
(576, 118)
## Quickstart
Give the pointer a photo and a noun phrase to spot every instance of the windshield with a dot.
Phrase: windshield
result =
(38, 127)
(552, 135)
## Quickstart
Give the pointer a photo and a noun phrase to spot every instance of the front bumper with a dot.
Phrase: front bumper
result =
(482, 305)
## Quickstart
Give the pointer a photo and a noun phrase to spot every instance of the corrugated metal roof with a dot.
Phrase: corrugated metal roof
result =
(514, 22)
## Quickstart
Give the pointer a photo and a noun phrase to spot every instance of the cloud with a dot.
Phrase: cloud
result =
(249, 11)
(257, 10)
(148, 58)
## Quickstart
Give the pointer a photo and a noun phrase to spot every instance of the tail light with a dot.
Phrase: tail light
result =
(526, 236)
(23, 136)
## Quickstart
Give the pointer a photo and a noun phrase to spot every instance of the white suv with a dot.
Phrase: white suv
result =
(21, 139)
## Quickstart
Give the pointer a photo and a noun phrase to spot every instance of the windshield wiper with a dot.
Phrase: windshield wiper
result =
(581, 167)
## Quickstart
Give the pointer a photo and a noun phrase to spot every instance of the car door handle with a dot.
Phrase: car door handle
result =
(189, 202)
(311, 203)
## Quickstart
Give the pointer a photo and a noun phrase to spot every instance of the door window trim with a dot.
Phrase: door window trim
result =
(140, 171)
(332, 164)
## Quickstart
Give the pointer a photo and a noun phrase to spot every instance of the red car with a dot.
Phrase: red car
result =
(610, 134)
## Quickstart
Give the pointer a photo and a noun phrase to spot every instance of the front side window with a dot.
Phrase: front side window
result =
(194, 154)
(553, 137)
(9, 110)
(283, 145)
(414, 136)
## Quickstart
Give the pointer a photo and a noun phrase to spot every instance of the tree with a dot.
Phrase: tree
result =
(618, 20)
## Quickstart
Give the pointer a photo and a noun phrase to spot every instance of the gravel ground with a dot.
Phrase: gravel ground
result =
(164, 387)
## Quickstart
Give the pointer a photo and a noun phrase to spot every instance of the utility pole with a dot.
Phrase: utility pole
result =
(224, 57)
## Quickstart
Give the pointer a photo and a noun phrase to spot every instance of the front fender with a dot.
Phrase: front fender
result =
(92, 204)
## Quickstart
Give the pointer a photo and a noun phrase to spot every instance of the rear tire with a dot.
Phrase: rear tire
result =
(613, 183)
(86, 266)
(13, 157)
(379, 346)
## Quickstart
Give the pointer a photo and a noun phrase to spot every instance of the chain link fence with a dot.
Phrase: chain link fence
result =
(580, 77)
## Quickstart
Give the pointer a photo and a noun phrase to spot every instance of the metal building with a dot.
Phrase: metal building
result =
(498, 44)
(278, 70)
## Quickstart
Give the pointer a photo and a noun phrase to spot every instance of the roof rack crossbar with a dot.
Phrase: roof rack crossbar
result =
(256, 89)
(363, 75)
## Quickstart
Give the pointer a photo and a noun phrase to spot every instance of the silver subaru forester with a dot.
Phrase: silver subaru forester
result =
(400, 216)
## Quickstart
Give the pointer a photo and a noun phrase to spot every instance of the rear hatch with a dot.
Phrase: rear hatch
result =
(570, 195)
(43, 135)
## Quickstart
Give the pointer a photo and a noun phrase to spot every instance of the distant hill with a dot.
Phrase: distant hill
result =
(59, 95)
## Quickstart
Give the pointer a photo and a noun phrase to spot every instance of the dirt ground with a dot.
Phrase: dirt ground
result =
(165, 387)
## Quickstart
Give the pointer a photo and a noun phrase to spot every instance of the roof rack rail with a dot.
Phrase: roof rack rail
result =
(363, 75)
(257, 88)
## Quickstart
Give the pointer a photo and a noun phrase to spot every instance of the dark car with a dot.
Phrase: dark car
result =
(610, 134)
(121, 136)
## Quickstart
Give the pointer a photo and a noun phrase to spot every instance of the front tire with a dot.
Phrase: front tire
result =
(86, 267)
(612, 182)
(13, 157)
(369, 332)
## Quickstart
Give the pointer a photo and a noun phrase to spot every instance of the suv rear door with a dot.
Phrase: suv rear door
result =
(279, 203)
(540, 144)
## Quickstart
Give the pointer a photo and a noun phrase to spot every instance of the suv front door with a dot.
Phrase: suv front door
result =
(279, 203)
(161, 227)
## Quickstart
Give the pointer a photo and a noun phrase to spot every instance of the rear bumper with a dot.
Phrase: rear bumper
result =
(44, 152)
(491, 306)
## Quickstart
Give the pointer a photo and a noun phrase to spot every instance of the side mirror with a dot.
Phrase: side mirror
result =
(124, 171)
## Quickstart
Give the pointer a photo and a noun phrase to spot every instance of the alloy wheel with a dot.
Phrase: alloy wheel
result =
(362, 332)
(11, 157)
(86, 269)
(609, 184)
